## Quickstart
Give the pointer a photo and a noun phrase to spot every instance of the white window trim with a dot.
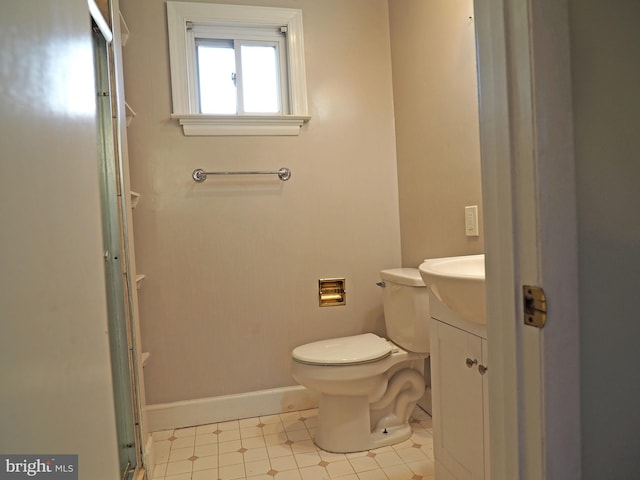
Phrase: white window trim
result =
(194, 123)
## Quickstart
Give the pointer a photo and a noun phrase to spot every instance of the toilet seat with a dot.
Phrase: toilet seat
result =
(353, 350)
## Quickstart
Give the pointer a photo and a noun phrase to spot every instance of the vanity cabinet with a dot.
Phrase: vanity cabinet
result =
(460, 406)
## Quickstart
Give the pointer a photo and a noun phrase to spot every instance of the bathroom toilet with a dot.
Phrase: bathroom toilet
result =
(369, 385)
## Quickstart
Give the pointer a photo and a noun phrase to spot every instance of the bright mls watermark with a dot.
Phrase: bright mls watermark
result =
(39, 467)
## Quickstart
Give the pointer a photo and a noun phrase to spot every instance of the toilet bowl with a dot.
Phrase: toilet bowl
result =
(368, 385)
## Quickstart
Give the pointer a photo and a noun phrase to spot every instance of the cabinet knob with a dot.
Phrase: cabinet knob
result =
(470, 363)
(482, 369)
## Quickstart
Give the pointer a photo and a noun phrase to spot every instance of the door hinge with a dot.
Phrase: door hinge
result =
(535, 306)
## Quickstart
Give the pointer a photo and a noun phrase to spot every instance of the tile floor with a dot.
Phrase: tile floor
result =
(279, 447)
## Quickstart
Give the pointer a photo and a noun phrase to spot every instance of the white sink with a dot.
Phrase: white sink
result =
(458, 282)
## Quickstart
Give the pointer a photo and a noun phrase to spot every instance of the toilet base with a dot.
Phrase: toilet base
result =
(364, 406)
(344, 426)
(377, 439)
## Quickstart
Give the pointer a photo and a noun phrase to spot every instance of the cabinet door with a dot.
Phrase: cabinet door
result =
(485, 415)
(457, 403)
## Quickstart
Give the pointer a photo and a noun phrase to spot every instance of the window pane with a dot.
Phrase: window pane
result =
(260, 79)
(216, 79)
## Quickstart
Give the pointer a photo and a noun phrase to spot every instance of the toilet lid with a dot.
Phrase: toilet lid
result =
(363, 348)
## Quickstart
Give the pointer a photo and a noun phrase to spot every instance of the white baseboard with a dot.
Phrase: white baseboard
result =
(140, 474)
(202, 411)
(148, 455)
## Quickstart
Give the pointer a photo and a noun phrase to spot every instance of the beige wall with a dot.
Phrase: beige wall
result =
(232, 264)
(436, 113)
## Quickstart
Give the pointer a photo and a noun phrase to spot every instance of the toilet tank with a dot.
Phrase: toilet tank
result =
(406, 308)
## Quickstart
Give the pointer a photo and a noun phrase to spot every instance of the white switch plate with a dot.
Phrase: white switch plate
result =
(471, 221)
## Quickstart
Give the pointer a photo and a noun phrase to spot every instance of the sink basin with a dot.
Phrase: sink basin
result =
(458, 282)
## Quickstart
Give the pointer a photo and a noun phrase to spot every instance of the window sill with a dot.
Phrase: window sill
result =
(233, 125)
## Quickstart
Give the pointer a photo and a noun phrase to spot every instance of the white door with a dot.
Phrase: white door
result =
(530, 236)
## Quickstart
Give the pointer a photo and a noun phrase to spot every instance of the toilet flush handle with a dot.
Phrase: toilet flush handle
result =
(381, 284)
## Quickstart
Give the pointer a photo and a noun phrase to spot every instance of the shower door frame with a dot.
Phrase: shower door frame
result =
(119, 283)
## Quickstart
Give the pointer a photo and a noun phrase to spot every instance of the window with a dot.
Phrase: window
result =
(237, 70)
(240, 70)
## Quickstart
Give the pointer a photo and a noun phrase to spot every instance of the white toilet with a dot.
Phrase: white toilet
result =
(368, 385)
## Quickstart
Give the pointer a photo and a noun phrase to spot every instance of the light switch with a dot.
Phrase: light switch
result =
(471, 221)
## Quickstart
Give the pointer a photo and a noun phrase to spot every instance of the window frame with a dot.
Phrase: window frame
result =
(182, 17)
